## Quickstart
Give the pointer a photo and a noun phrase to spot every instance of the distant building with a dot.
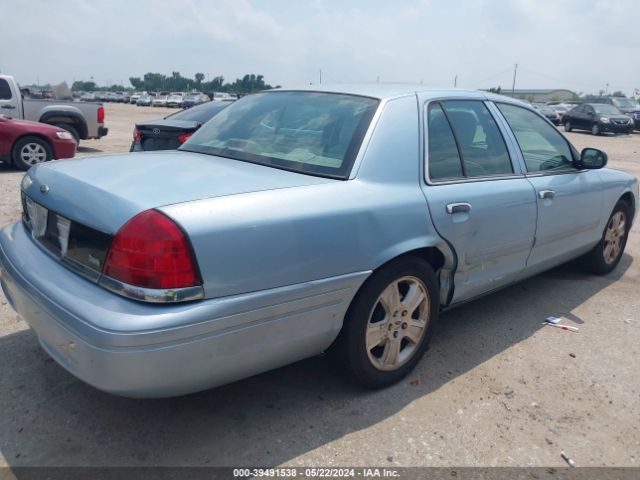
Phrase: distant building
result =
(540, 95)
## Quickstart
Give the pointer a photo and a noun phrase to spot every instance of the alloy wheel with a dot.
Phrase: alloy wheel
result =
(614, 237)
(33, 153)
(397, 323)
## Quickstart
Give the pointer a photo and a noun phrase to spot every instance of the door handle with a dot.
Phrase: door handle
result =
(458, 208)
(8, 107)
(546, 194)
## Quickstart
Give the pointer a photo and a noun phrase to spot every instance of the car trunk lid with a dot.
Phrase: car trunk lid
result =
(105, 192)
(163, 134)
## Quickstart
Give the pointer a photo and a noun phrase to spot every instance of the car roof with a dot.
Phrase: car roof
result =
(392, 90)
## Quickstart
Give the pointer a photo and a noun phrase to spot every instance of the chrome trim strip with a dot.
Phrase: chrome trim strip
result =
(152, 295)
(80, 269)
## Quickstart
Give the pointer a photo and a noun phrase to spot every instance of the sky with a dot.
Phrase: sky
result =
(582, 45)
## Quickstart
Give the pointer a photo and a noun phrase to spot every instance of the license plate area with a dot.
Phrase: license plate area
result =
(47, 227)
(77, 246)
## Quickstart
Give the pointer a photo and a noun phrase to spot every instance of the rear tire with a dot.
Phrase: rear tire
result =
(567, 126)
(29, 151)
(606, 255)
(389, 324)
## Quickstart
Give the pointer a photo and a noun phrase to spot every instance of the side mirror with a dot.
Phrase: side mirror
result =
(591, 159)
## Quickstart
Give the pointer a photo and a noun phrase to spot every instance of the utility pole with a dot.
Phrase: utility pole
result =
(455, 81)
(378, 79)
(320, 76)
(513, 87)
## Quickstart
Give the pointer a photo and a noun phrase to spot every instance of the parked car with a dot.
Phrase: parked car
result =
(222, 97)
(194, 99)
(296, 222)
(548, 112)
(170, 132)
(174, 100)
(134, 97)
(598, 118)
(560, 110)
(88, 97)
(83, 120)
(24, 143)
(159, 101)
(627, 106)
(145, 100)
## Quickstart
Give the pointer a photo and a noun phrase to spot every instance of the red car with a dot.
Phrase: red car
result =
(24, 143)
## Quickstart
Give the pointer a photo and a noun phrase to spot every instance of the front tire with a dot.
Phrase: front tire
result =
(606, 255)
(389, 323)
(595, 129)
(567, 126)
(29, 151)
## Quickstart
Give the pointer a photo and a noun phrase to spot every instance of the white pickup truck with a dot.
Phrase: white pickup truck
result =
(82, 119)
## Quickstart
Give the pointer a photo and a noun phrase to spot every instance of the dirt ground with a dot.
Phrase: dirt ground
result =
(496, 387)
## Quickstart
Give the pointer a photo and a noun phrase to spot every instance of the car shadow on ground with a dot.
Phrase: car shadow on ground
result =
(50, 418)
(8, 167)
(84, 149)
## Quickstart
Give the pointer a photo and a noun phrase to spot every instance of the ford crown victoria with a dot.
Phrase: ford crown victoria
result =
(336, 219)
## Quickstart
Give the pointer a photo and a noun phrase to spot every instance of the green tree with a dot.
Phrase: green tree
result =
(82, 86)
(137, 83)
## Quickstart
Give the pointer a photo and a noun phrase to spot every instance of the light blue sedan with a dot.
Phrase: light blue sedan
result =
(324, 219)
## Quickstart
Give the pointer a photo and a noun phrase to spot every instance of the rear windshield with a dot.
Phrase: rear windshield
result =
(201, 113)
(307, 132)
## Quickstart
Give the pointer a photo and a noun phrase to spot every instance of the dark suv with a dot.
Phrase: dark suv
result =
(598, 118)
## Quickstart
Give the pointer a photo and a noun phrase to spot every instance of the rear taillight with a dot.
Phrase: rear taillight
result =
(100, 114)
(184, 137)
(136, 134)
(151, 251)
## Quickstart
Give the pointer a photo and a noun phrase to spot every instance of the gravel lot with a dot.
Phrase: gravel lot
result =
(496, 388)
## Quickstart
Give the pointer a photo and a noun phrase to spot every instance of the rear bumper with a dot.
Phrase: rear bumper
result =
(141, 350)
(102, 132)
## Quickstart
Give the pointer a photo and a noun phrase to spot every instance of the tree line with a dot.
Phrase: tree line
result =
(154, 82)
(576, 96)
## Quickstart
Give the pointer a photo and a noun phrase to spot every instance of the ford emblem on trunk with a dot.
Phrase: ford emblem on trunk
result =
(44, 189)
(156, 131)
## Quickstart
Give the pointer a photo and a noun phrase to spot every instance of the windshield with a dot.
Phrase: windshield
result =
(305, 132)
(202, 113)
(605, 109)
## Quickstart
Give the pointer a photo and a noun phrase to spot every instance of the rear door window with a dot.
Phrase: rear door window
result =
(444, 160)
(480, 143)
